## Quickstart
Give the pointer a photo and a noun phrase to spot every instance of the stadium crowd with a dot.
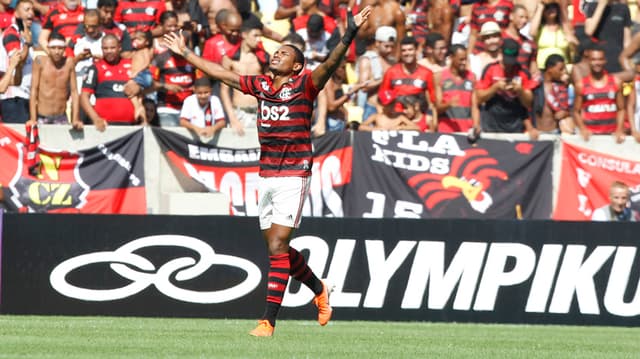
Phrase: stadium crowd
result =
(547, 66)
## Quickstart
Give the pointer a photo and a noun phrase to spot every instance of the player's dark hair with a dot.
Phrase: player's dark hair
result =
(432, 38)
(166, 15)
(552, 61)
(409, 40)
(202, 82)
(107, 3)
(295, 39)
(455, 48)
(299, 57)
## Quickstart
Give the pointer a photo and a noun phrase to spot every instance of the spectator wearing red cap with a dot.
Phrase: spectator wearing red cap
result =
(505, 94)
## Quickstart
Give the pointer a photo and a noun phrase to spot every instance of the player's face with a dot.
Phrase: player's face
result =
(492, 42)
(619, 198)
(111, 50)
(459, 60)
(282, 61)
(597, 61)
(105, 14)
(519, 18)
(56, 53)
(203, 93)
(252, 38)
(385, 48)
(440, 51)
(91, 26)
(408, 54)
(170, 25)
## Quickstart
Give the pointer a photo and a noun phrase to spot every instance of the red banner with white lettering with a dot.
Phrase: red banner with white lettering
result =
(106, 179)
(585, 179)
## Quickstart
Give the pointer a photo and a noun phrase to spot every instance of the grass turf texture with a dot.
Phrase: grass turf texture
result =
(110, 337)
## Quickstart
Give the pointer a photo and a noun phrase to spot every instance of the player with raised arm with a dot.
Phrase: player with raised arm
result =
(284, 130)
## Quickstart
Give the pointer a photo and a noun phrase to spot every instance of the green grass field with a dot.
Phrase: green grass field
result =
(106, 337)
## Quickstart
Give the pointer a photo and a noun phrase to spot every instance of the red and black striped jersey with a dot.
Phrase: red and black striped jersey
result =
(106, 81)
(284, 123)
(457, 118)
(169, 68)
(402, 83)
(528, 49)
(136, 15)
(217, 47)
(599, 108)
(63, 21)
(11, 39)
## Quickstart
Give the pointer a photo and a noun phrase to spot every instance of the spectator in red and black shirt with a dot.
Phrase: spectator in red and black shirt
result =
(140, 15)
(106, 80)
(173, 78)
(6, 14)
(407, 78)
(106, 9)
(527, 56)
(485, 11)
(551, 105)
(505, 94)
(63, 19)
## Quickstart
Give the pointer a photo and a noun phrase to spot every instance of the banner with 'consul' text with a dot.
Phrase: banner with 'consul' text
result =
(585, 180)
(107, 179)
(388, 175)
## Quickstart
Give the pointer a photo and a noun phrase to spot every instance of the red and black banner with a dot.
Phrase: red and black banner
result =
(585, 180)
(388, 174)
(106, 179)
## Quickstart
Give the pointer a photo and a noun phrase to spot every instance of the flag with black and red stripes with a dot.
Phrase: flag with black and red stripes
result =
(106, 179)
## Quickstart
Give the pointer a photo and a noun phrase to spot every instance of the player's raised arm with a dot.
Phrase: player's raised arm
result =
(175, 42)
(322, 73)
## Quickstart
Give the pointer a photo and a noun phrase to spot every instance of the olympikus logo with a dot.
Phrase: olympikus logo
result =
(554, 277)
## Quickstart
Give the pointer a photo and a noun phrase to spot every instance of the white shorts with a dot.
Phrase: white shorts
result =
(281, 200)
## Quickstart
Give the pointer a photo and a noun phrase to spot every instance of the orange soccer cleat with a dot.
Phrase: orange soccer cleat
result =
(322, 302)
(264, 329)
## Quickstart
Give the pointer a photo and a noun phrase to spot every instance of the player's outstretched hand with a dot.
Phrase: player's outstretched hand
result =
(362, 16)
(175, 42)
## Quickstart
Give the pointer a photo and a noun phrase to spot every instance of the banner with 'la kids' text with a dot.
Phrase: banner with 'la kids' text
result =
(387, 175)
(106, 179)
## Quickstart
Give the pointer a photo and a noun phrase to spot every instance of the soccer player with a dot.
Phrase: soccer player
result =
(284, 131)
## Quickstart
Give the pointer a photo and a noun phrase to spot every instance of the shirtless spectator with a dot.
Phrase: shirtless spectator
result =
(407, 78)
(242, 109)
(491, 36)
(63, 19)
(383, 13)
(371, 66)
(202, 112)
(435, 53)
(455, 99)
(553, 115)
(53, 82)
(599, 104)
(337, 113)
(289, 9)
(484, 11)
(227, 40)
(391, 118)
(211, 8)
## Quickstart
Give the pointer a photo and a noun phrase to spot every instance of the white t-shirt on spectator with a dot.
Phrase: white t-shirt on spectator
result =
(202, 116)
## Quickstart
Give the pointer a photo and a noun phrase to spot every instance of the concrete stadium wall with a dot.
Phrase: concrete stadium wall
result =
(165, 195)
